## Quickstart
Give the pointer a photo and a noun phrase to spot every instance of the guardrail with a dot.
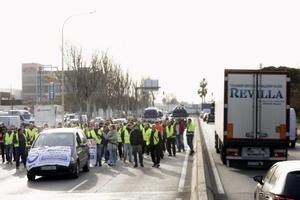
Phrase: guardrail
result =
(198, 186)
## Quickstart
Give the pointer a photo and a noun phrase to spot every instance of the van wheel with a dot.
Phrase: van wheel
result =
(223, 155)
(76, 171)
(293, 144)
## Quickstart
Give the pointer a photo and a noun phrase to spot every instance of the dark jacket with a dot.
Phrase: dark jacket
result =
(136, 137)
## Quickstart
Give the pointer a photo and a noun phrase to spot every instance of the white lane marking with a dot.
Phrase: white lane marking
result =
(77, 186)
(183, 173)
(213, 165)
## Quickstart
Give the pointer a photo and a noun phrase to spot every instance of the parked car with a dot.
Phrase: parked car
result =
(179, 112)
(202, 113)
(58, 151)
(293, 128)
(280, 182)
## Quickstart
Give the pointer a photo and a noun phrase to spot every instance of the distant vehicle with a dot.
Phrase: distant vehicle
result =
(47, 114)
(202, 113)
(25, 116)
(58, 151)
(11, 121)
(99, 120)
(251, 118)
(210, 117)
(151, 114)
(179, 112)
(293, 127)
(119, 120)
(280, 182)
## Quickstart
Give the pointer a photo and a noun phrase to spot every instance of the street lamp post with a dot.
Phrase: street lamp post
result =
(62, 64)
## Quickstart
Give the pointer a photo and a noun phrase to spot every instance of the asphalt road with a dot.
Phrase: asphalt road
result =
(170, 181)
(237, 184)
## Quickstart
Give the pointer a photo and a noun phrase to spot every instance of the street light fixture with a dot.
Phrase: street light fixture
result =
(62, 63)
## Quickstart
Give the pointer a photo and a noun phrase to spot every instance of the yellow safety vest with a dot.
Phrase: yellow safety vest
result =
(155, 138)
(96, 136)
(126, 137)
(8, 139)
(146, 136)
(191, 127)
(119, 135)
(170, 131)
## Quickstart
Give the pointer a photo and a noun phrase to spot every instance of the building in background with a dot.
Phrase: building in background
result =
(40, 83)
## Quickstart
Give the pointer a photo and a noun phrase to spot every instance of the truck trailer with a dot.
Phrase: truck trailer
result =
(252, 118)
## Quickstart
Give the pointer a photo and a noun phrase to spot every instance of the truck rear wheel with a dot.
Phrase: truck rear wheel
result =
(223, 155)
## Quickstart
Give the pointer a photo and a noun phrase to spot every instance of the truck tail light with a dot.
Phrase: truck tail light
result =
(229, 130)
(278, 153)
(282, 131)
(233, 152)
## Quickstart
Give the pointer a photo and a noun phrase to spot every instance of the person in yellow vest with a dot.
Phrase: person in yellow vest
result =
(126, 141)
(19, 141)
(31, 133)
(87, 131)
(8, 141)
(146, 136)
(171, 139)
(96, 134)
(155, 146)
(120, 143)
(190, 129)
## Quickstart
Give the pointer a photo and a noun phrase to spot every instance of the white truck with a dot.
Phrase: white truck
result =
(47, 114)
(252, 118)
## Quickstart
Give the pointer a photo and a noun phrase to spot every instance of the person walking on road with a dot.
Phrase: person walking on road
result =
(155, 146)
(96, 134)
(8, 140)
(190, 129)
(20, 145)
(126, 141)
(180, 127)
(171, 140)
(136, 141)
(120, 143)
(112, 145)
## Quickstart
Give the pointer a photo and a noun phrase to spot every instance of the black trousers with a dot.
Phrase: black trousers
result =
(137, 151)
(2, 151)
(21, 152)
(171, 146)
(120, 149)
(155, 154)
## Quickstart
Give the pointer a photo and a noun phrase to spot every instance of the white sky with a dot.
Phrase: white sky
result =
(177, 42)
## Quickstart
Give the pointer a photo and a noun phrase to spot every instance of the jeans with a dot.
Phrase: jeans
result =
(180, 144)
(137, 149)
(9, 152)
(99, 153)
(113, 156)
(128, 152)
(190, 138)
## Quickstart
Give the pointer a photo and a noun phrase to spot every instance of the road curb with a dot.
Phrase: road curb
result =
(198, 186)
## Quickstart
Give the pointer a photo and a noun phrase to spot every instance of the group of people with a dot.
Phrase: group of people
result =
(128, 141)
(134, 139)
(14, 143)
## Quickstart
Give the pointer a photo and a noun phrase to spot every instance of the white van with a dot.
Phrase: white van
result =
(293, 127)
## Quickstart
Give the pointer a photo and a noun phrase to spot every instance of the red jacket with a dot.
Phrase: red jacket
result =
(181, 127)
